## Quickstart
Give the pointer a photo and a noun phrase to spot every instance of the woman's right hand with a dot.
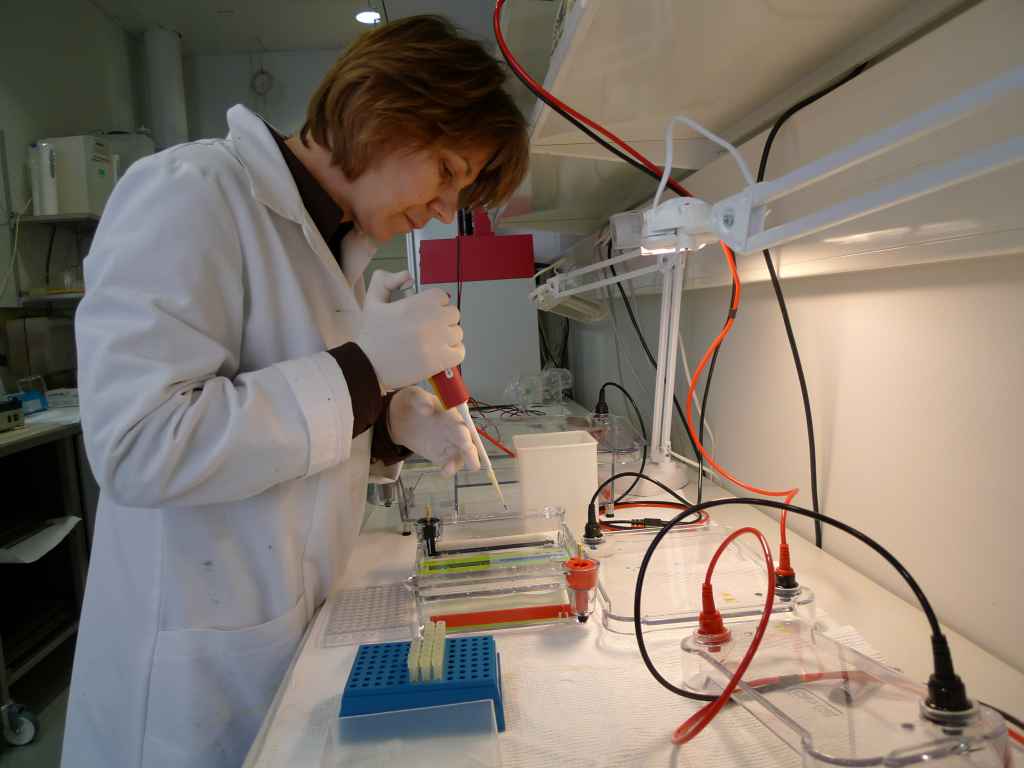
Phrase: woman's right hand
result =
(410, 339)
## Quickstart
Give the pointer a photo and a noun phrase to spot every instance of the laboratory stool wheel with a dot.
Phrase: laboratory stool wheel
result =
(20, 725)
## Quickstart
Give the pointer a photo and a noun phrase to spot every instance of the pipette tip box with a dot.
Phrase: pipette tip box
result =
(379, 679)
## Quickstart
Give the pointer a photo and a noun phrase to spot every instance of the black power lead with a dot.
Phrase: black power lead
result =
(464, 226)
(771, 268)
(601, 409)
(1005, 715)
(819, 518)
(631, 161)
(777, 286)
(946, 691)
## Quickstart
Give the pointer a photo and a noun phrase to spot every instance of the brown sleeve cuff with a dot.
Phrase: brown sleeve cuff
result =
(383, 448)
(367, 401)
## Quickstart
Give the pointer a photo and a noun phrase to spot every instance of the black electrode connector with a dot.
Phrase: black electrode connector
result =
(592, 530)
(946, 691)
(601, 408)
(429, 529)
(786, 581)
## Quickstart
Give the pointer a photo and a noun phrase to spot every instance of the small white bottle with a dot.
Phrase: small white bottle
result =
(43, 169)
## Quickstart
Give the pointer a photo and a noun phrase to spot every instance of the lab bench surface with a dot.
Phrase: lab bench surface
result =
(581, 690)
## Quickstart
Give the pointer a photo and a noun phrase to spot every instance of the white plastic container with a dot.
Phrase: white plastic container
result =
(558, 469)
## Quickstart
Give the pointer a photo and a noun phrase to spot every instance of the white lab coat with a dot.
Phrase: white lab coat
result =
(221, 434)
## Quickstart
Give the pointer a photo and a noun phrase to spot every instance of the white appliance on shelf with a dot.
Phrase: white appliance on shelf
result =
(127, 147)
(85, 173)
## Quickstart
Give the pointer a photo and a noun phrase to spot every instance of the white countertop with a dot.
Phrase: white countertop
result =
(579, 690)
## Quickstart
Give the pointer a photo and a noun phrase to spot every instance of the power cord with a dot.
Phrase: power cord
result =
(777, 286)
(601, 409)
(946, 691)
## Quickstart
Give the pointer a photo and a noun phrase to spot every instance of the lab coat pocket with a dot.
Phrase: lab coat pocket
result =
(209, 689)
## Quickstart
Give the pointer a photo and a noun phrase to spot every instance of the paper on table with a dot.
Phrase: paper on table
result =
(568, 701)
(33, 547)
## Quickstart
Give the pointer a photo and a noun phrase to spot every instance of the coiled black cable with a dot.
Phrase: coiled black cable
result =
(943, 663)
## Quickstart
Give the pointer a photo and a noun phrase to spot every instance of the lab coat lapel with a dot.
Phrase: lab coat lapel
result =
(273, 186)
(357, 250)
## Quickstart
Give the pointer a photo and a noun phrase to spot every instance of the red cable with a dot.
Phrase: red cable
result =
(538, 88)
(699, 720)
(1016, 736)
(495, 442)
(788, 494)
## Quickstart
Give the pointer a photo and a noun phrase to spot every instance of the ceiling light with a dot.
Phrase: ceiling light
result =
(368, 17)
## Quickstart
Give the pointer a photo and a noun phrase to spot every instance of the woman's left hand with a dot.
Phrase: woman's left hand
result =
(417, 420)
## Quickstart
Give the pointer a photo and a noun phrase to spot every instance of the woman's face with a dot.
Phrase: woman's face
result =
(406, 190)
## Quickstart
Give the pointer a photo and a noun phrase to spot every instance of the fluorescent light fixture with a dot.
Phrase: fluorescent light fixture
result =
(368, 17)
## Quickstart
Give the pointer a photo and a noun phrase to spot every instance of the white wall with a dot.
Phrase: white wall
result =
(914, 375)
(215, 83)
(64, 70)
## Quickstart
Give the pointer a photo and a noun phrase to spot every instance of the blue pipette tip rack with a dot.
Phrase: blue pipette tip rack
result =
(379, 679)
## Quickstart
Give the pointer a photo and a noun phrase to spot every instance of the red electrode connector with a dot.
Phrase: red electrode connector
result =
(785, 576)
(581, 578)
(711, 629)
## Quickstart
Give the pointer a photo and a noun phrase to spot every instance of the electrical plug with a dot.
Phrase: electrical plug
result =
(592, 530)
(947, 694)
(786, 584)
(711, 628)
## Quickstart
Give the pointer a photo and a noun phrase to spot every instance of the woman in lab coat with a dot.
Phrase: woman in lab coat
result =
(232, 375)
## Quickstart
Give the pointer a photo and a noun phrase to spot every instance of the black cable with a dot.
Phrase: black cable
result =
(459, 232)
(1005, 715)
(938, 639)
(565, 345)
(771, 269)
(593, 135)
(643, 433)
(777, 286)
(545, 350)
(647, 350)
(49, 253)
(808, 420)
(629, 160)
(944, 673)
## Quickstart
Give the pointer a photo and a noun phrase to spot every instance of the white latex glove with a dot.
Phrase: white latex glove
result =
(410, 339)
(418, 420)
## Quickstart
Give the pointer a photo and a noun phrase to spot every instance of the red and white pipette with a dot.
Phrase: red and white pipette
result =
(452, 392)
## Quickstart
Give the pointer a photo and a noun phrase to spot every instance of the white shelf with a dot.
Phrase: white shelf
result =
(733, 66)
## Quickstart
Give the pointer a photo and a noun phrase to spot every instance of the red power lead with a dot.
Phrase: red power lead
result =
(712, 627)
(676, 187)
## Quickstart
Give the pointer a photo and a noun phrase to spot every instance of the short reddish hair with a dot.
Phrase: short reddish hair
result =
(415, 83)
